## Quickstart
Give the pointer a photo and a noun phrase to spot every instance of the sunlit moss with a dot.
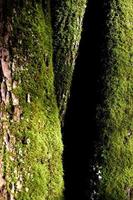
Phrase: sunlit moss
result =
(34, 166)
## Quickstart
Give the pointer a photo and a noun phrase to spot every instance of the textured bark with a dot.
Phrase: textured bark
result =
(68, 17)
(6, 95)
(114, 112)
(31, 143)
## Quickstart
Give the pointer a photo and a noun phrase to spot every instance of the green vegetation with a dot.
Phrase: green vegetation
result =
(68, 17)
(31, 145)
(33, 166)
(117, 108)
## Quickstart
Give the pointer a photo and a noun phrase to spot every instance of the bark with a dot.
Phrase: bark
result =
(68, 18)
(114, 112)
(31, 142)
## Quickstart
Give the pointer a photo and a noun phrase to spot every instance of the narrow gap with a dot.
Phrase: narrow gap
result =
(79, 133)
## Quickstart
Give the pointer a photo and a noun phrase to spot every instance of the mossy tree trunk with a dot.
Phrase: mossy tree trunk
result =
(31, 108)
(115, 110)
(67, 25)
(31, 143)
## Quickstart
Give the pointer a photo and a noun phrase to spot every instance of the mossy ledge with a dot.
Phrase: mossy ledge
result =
(32, 153)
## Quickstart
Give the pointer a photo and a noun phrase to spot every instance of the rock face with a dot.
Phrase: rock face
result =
(31, 142)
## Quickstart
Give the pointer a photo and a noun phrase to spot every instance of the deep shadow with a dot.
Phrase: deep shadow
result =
(80, 131)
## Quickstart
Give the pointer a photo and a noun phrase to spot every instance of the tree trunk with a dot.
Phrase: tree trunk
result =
(115, 110)
(31, 143)
(67, 24)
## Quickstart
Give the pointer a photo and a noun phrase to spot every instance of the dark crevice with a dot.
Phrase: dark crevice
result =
(80, 134)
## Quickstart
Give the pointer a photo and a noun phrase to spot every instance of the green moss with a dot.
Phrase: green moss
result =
(34, 166)
(116, 125)
(68, 16)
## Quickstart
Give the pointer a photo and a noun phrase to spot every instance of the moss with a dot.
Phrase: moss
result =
(34, 166)
(115, 119)
(68, 17)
